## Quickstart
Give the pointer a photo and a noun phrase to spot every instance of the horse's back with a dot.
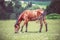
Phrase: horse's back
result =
(30, 14)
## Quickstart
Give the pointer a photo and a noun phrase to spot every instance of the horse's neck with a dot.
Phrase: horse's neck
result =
(17, 22)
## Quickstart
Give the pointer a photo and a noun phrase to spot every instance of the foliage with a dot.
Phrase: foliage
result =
(41, 3)
(14, 9)
(34, 7)
(53, 16)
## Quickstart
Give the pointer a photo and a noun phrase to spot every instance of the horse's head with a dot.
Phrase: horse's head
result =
(16, 27)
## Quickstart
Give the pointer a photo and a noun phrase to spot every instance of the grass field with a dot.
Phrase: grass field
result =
(7, 31)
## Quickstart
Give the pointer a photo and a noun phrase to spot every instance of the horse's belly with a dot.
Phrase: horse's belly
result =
(32, 19)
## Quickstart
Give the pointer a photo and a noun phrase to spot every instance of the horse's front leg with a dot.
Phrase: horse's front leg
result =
(22, 27)
(25, 23)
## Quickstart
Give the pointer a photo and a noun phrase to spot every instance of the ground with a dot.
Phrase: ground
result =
(7, 31)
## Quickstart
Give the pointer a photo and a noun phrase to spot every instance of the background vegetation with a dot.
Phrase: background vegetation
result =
(14, 8)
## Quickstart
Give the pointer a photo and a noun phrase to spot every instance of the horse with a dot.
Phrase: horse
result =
(30, 15)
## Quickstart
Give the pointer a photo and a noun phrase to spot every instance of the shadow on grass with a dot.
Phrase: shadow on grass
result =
(32, 32)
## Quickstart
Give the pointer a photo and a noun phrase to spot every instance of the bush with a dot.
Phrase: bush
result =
(53, 16)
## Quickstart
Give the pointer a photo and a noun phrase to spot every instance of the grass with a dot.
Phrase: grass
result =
(7, 31)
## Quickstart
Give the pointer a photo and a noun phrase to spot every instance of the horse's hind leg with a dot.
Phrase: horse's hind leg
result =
(44, 20)
(41, 24)
(26, 24)
(26, 27)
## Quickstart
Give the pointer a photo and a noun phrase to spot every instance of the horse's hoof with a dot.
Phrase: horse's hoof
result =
(16, 32)
(25, 31)
(21, 31)
(47, 30)
(39, 31)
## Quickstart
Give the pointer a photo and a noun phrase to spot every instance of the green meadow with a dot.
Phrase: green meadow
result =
(7, 31)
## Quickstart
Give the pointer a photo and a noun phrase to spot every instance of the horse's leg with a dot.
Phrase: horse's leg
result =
(44, 20)
(25, 22)
(26, 25)
(41, 24)
(22, 27)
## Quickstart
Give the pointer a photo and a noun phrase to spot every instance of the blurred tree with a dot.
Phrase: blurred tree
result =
(17, 7)
(54, 7)
(10, 7)
(2, 4)
(2, 9)
(29, 4)
(37, 0)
